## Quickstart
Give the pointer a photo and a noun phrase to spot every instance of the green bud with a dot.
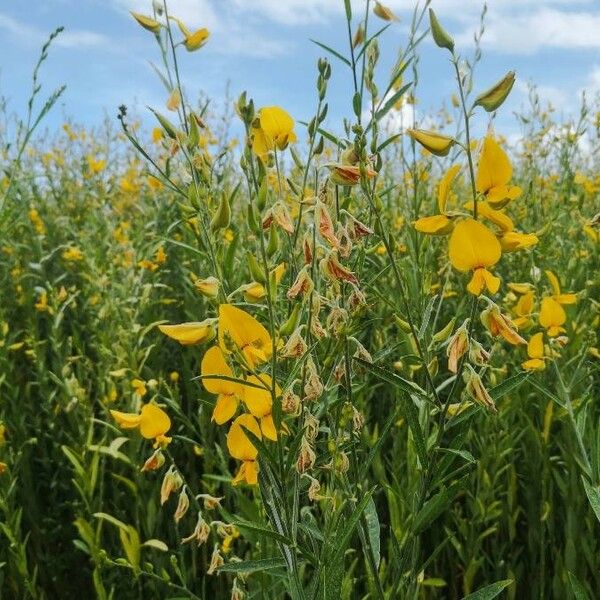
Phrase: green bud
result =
(493, 98)
(440, 36)
(222, 217)
(292, 322)
(169, 128)
(443, 334)
(404, 325)
(273, 244)
(255, 270)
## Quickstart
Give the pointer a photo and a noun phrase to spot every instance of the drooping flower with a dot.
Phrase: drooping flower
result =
(473, 247)
(272, 129)
(192, 40)
(552, 317)
(494, 173)
(187, 334)
(241, 448)
(229, 393)
(246, 333)
(523, 309)
(498, 324)
(152, 421)
(535, 351)
(441, 223)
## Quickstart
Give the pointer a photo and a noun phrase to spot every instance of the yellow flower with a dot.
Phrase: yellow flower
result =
(228, 393)
(195, 332)
(72, 254)
(193, 40)
(561, 298)
(535, 351)
(273, 128)
(147, 23)
(241, 448)
(36, 220)
(494, 173)
(153, 422)
(208, 287)
(523, 309)
(139, 387)
(246, 333)
(441, 223)
(552, 317)
(42, 303)
(473, 247)
(513, 240)
(259, 402)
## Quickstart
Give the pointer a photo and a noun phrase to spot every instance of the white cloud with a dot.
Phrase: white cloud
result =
(526, 32)
(67, 39)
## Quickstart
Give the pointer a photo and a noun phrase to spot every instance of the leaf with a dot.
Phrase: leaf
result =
(489, 591)
(113, 520)
(577, 588)
(373, 531)
(435, 506)
(406, 404)
(250, 566)
(342, 538)
(264, 531)
(508, 385)
(391, 102)
(593, 494)
(157, 544)
(332, 51)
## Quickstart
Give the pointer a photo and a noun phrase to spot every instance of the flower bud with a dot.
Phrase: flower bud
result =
(433, 142)
(493, 98)
(440, 36)
(171, 483)
(155, 462)
(457, 346)
(222, 217)
(383, 12)
(477, 391)
(148, 23)
(208, 287)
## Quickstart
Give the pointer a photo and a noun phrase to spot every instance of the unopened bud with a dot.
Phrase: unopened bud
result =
(440, 36)
(493, 98)
(433, 142)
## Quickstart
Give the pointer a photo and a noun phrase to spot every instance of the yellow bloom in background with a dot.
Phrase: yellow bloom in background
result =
(272, 129)
(241, 448)
(152, 421)
(473, 247)
(383, 12)
(228, 393)
(494, 173)
(246, 333)
(569, 298)
(535, 351)
(72, 254)
(552, 317)
(441, 223)
(194, 332)
(523, 309)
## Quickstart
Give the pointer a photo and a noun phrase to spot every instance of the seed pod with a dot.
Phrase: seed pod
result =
(255, 269)
(493, 98)
(440, 36)
(169, 128)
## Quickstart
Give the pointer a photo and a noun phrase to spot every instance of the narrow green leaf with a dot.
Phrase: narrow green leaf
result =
(391, 102)
(593, 494)
(333, 52)
(577, 588)
(373, 531)
(489, 591)
(250, 566)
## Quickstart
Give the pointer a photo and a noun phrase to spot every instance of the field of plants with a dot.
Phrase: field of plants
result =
(246, 356)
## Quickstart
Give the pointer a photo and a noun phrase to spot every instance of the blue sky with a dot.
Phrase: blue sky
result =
(263, 46)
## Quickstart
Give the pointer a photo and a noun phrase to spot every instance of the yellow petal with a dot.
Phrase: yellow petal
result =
(520, 288)
(196, 40)
(213, 363)
(238, 443)
(513, 240)
(190, 333)
(126, 420)
(533, 364)
(553, 279)
(258, 400)
(267, 426)
(245, 332)
(224, 408)
(154, 421)
(504, 222)
(473, 245)
(494, 168)
(500, 196)
(566, 298)
(434, 225)
(552, 316)
(248, 473)
(535, 346)
(444, 187)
